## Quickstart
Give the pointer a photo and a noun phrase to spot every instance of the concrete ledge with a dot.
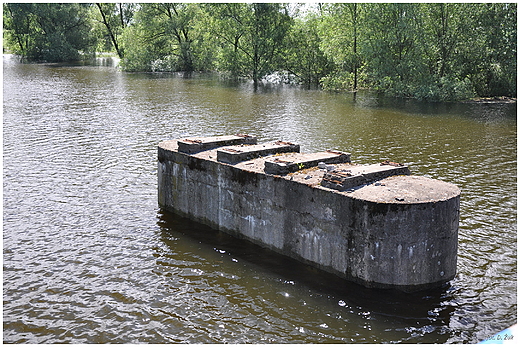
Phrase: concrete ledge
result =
(236, 154)
(286, 164)
(197, 144)
(359, 175)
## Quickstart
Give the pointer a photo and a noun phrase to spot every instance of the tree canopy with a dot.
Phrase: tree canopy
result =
(430, 51)
(50, 32)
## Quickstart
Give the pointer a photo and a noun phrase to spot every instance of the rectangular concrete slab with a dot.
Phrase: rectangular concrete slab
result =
(236, 154)
(285, 164)
(192, 145)
(359, 175)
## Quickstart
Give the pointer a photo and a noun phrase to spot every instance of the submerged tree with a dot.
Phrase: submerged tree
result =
(427, 51)
(304, 57)
(227, 27)
(252, 37)
(341, 32)
(115, 17)
(166, 37)
(49, 32)
(268, 28)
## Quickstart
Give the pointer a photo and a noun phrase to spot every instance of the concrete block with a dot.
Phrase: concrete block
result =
(283, 165)
(236, 154)
(197, 144)
(359, 175)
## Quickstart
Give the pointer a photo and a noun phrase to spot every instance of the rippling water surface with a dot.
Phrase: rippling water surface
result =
(90, 258)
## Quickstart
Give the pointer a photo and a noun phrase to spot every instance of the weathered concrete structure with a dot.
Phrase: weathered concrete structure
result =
(373, 224)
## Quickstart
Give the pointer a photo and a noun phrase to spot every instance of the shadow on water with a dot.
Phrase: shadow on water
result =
(477, 111)
(427, 311)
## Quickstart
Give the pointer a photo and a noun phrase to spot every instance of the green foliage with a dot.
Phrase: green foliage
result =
(393, 48)
(446, 89)
(426, 51)
(228, 26)
(48, 32)
(342, 27)
(268, 29)
(252, 37)
(304, 57)
(497, 67)
(138, 55)
(167, 37)
(338, 81)
(111, 20)
(430, 51)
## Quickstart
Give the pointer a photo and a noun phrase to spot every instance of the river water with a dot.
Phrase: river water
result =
(90, 258)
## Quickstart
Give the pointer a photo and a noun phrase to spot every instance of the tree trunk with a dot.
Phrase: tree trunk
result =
(112, 37)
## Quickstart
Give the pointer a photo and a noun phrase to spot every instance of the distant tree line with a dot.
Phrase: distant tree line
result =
(436, 51)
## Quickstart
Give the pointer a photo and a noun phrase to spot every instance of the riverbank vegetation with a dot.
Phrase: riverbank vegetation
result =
(436, 51)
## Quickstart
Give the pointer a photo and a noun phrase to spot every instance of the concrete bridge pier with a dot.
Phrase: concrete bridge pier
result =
(377, 224)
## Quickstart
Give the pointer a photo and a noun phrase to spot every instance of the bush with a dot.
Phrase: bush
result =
(446, 89)
(337, 81)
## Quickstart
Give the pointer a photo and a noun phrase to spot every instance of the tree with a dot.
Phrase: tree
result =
(165, 37)
(228, 26)
(341, 31)
(437, 51)
(252, 37)
(18, 26)
(393, 47)
(304, 57)
(427, 51)
(473, 49)
(269, 26)
(115, 17)
(446, 32)
(495, 26)
(442, 23)
(49, 32)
